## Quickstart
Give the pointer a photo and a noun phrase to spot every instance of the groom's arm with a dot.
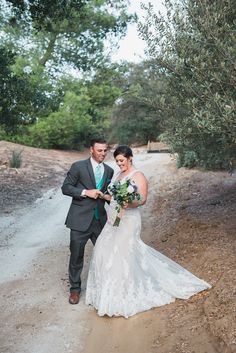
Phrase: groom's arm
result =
(69, 186)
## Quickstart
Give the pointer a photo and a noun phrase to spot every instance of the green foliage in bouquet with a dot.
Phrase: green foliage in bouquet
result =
(123, 192)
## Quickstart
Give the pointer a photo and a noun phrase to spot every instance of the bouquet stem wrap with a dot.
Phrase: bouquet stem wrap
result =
(118, 217)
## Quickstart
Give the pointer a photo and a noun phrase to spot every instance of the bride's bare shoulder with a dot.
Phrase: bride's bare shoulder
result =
(139, 176)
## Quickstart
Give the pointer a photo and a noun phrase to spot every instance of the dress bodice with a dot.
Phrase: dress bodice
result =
(128, 176)
(111, 209)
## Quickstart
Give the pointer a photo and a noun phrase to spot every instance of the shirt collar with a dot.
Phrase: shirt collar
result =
(94, 163)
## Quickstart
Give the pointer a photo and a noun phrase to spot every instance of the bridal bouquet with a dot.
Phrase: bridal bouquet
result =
(123, 192)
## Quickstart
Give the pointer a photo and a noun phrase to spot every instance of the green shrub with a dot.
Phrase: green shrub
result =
(16, 159)
(2, 132)
(188, 159)
(68, 128)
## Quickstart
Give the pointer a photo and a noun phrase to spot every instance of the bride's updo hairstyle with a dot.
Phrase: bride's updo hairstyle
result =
(124, 150)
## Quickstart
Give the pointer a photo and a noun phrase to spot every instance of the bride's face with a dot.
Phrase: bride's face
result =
(123, 162)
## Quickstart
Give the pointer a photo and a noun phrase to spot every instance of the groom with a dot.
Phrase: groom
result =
(87, 216)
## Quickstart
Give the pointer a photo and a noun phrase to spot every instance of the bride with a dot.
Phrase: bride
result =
(126, 276)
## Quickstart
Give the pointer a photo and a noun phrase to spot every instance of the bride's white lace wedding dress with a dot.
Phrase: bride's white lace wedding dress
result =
(126, 276)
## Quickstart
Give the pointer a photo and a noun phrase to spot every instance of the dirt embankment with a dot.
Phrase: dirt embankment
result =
(192, 220)
(195, 215)
(40, 170)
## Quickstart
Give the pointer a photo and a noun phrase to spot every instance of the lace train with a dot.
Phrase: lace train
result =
(126, 276)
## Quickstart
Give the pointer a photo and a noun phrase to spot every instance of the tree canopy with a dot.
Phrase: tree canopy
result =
(61, 33)
(41, 41)
(193, 47)
(135, 118)
(184, 93)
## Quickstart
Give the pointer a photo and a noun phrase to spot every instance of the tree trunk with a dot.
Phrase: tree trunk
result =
(48, 53)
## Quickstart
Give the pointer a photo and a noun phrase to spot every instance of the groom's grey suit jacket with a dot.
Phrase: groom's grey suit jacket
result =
(81, 212)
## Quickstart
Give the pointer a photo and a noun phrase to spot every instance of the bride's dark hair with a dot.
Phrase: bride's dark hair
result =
(124, 150)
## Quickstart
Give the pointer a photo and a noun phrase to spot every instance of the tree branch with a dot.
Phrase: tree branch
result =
(50, 48)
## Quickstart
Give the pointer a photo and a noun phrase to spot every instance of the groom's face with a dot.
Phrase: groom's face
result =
(99, 152)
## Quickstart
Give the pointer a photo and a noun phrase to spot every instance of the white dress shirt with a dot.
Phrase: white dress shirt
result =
(94, 166)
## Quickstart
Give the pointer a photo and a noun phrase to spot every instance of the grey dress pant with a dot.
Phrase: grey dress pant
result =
(78, 241)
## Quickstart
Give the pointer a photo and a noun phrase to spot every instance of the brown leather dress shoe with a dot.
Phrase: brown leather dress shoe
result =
(74, 298)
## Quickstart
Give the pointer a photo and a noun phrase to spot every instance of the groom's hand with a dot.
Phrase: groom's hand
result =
(93, 193)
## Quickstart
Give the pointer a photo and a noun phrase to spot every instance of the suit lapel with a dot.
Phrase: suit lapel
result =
(91, 173)
(105, 175)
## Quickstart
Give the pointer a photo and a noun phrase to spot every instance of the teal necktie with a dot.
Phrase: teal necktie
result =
(98, 175)
(99, 182)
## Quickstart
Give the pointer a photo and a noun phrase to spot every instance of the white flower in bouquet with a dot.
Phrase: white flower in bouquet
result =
(124, 191)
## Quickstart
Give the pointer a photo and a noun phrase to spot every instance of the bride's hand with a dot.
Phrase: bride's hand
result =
(105, 197)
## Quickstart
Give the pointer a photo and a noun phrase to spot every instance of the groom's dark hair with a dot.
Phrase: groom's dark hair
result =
(97, 140)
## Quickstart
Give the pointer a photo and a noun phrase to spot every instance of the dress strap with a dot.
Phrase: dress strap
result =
(132, 173)
(128, 176)
(116, 178)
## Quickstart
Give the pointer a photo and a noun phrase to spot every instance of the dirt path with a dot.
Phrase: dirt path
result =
(189, 217)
